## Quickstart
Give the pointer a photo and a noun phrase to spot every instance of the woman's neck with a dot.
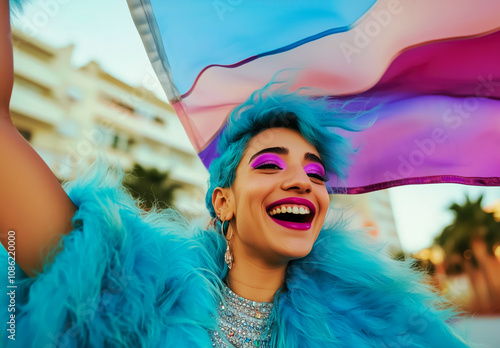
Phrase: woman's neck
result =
(255, 281)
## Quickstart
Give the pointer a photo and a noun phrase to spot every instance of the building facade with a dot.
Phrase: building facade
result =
(371, 212)
(71, 116)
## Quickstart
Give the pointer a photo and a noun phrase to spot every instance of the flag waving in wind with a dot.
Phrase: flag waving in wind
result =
(432, 66)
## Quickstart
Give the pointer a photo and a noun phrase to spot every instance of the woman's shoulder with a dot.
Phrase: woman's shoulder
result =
(121, 273)
(104, 204)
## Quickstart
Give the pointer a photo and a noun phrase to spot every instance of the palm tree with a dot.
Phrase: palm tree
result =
(470, 222)
(151, 187)
(468, 244)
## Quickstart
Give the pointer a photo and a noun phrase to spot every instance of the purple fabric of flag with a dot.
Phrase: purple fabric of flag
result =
(431, 67)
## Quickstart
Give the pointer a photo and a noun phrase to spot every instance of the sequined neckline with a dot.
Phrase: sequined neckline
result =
(242, 322)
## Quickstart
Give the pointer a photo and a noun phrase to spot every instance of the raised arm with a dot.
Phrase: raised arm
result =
(32, 202)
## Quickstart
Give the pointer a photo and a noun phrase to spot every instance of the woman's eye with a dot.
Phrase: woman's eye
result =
(268, 166)
(320, 177)
(268, 161)
(316, 171)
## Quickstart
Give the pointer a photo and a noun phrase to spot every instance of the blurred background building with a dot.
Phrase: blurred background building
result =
(73, 115)
(372, 212)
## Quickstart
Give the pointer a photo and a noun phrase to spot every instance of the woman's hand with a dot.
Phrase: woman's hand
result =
(32, 202)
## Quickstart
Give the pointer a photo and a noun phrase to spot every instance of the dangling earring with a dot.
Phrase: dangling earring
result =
(228, 256)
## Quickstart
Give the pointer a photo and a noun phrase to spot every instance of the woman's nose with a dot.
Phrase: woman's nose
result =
(296, 179)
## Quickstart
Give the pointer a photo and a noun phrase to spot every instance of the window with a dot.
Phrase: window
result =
(118, 105)
(159, 120)
(130, 143)
(32, 85)
(116, 141)
(26, 134)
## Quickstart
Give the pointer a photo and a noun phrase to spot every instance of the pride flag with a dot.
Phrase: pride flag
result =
(432, 66)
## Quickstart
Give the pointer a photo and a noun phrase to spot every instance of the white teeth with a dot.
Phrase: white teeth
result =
(289, 209)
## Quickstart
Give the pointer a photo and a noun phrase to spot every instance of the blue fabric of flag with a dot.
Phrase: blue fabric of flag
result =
(262, 27)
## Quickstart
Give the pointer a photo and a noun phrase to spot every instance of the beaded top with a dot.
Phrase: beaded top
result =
(244, 323)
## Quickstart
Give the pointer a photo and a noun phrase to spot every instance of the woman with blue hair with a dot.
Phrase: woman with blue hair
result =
(269, 272)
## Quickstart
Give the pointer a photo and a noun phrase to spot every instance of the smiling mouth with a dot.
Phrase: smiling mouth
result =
(293, 213)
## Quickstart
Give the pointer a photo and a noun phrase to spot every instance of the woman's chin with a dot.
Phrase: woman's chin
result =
(295, 252)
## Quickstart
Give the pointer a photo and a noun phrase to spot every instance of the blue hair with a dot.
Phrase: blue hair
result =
(272, 106)
(16, 6)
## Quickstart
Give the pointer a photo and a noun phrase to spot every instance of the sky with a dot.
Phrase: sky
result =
(422, 211)
(103, 31)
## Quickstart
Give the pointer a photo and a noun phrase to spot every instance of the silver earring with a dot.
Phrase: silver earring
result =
(228, 256)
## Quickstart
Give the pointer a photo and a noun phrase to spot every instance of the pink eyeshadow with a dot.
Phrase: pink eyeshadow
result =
(268, 158)
(315, 168)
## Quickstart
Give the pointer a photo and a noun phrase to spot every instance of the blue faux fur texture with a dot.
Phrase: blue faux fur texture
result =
(16, 6)
(126, 278)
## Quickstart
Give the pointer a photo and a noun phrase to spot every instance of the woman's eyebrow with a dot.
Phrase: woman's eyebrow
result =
(276, 150)
(313, 158)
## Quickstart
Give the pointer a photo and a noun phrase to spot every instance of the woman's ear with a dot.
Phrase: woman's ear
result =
(223, 203)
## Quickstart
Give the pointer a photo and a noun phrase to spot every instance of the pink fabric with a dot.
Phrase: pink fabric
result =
(432, 66)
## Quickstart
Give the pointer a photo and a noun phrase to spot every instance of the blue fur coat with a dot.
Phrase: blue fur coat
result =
(125, 278)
